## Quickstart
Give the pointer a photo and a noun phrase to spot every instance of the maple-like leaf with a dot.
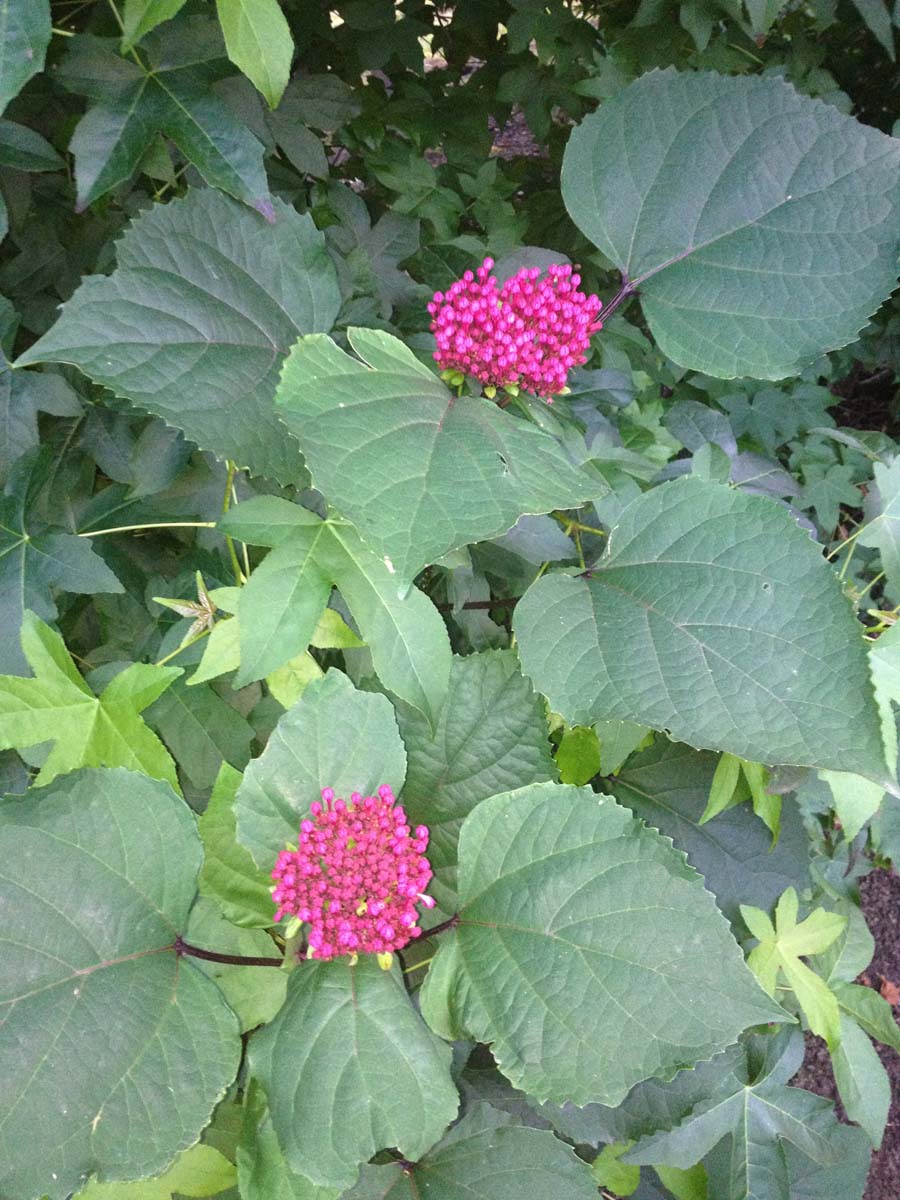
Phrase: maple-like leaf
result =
(56, 705)
(780, 948)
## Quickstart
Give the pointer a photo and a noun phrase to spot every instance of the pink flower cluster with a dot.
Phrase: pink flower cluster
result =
(530, 332)
(356, 876)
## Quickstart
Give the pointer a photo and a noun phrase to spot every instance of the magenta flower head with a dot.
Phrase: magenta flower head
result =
(529, 333)
(356, 877)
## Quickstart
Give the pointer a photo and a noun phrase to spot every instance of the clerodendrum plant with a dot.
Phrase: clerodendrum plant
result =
(467, 991)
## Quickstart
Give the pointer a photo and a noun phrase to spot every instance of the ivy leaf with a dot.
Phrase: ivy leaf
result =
(229, 875)
(201, 730)
(24, 36)
(34, 558)
(56, 705)
(418, 470)
(23, 394)
(882, 530)
(258, 40)
(862, 1082)
(555, 882)
(780, 949)
(283, 601)
(349, 1068)
(193, 323)
(773, 672)
(843, 1180)
(826, 489)
(140, 16)
(485, 1157)
(735, 279)
(303, 756)
(200, 1171)
(491, 737)
(172, 96)
(99, 874)
(24, 150)
(667, 786)
(760, 1114)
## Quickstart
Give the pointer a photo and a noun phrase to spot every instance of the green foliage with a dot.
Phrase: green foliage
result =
(756, 683)
(219, 295)
(736, 279)
(585, 883)
(86, 730)
(349, 1051)
(98, 878)
(384, 437)
(630, 657)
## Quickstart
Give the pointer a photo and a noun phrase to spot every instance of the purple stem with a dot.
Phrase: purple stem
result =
(236, 960)
(450, 923)
(625, 292)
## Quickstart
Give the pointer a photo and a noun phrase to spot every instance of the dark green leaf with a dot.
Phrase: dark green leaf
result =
(349, 1067)
(667, 786)
(24, 38)
(759, 1113)
(557, 883)
(491, 737)
(738, 278)
(193, 324)
(418, 470)
(201, 730)
(741, 634)
(24, 150)
(306, 753)
(104, 1023)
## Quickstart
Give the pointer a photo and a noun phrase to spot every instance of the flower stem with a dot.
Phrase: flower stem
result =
(151, 525)
(450, 923)
(237, 960)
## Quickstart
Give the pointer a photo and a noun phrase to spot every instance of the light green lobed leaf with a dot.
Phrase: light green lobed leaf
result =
(713, 617)
(587, 953)
(419, 470)
(201, 1171)
(56, 705)
(193, 324)
(102, 1022)
(761, 227)
(349, 1068)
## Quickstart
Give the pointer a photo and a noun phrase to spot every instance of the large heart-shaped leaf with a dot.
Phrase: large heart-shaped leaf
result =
(587, 952)
(114, 1049)
(419, 470)
(760, 227)
(349, 1068)
(193, 324)
(334, 736)
(491, 737)
(714, 617)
